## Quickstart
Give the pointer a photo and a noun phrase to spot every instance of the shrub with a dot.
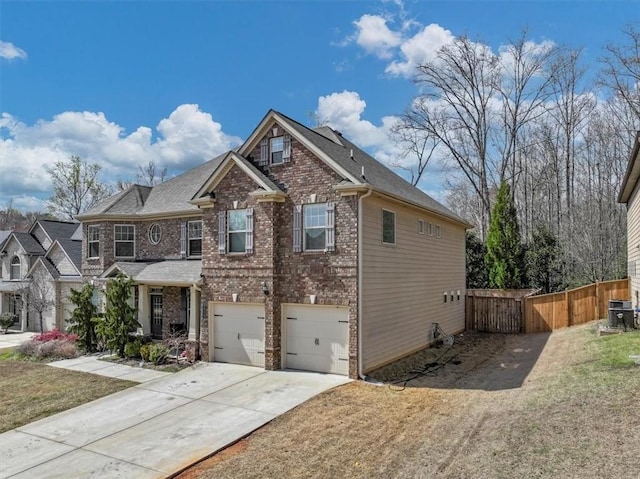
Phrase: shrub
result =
(6, 321)
(158, 353)
(53, 349)
(55, 335)
(132, 349)
(145, 350)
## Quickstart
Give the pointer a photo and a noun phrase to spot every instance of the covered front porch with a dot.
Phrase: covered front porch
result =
(13, 300)
(166, 296)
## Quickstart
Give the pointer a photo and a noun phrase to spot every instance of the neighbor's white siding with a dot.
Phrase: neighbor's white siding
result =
(62, 263)
(403, 285)
(633, 244)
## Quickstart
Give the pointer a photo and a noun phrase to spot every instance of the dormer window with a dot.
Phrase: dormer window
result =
(275, 150)
(14, 271)
(276, 147)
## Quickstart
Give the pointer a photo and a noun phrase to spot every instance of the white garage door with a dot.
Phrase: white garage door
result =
(317, 338)
(238, 333)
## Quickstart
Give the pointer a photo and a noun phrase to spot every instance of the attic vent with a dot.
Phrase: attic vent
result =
(351, 153)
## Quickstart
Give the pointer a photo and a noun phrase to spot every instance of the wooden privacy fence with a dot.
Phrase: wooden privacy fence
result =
(520, 311)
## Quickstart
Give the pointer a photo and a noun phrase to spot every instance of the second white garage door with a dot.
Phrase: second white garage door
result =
(237, 333)
(317, 338)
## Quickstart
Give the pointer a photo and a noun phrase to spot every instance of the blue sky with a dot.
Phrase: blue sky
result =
(120, 83)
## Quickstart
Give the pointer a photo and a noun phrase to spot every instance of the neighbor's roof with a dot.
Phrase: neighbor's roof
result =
(73, 249)
(170, 272)
(57, 229)
(171, 196)
(3, 236)
(28, 243)
(633, 173)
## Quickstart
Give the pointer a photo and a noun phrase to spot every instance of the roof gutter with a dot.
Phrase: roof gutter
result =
(360, 267)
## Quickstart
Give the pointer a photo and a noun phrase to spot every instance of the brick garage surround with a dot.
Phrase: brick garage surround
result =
(291, 277)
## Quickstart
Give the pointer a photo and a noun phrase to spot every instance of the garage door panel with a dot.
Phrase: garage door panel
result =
(238, 333)
(317, 338)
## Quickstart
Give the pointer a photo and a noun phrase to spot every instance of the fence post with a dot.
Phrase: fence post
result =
(597, 315)
(567, 310)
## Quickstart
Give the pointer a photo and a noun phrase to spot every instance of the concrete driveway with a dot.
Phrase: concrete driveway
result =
(159, 427)
(13, 339)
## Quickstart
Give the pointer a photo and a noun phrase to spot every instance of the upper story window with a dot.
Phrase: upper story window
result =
(438, 231)
(155, 233)
(93, 241)
(388, 227)
(14, 271)
(124, 238)
(275, 151)
(235, 231)
(194, 238)
(421, 226)
(314, 227)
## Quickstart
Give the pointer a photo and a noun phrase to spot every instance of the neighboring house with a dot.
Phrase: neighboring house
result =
(50, 253)
(631, 198)
(296, 250)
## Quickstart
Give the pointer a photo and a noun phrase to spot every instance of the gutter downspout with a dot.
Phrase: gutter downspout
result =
(197, 328)
(360, 262)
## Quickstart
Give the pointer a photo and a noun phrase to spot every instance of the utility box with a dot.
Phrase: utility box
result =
(621, 314)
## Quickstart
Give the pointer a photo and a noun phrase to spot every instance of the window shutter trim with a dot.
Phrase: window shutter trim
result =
(264, 152)
(331, 229)
(249, 233)
(297, 228)
(286, 150)
(183, 240)
(222, 232)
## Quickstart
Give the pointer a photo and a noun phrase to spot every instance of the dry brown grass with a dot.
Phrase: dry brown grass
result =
(30, 391)
(515, 406)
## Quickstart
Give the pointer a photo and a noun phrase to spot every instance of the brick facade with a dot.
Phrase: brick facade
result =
(291, 277)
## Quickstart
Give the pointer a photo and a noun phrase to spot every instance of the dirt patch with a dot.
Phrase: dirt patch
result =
(513, 406)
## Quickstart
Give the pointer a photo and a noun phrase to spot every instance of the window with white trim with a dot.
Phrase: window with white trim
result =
(430, 228)
(438, 231)
(14, 271)
(388, 227)
(155, 233)
(235, 231)
(93, 241)
(275, 150)
(421, 227)
(124, 239)
(314, 227)
(194, 238)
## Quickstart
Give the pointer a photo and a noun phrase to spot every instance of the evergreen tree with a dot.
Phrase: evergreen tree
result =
(504, 259)
(119, 320)
(477, 277)
(81, 322)
(543, 261)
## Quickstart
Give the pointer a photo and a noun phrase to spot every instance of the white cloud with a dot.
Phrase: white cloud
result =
(375, 37)
(187, 137)
(418, 49)
(9, 51)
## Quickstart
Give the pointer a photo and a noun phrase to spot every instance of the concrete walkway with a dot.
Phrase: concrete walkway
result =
(159, 427)
(92, 364)
(13, 339)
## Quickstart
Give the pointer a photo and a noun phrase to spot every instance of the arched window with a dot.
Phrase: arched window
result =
(14, 272)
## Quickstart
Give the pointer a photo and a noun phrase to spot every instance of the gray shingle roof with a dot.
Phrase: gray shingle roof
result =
(28, 243)
(77, 234)
(171, 271)
(58, 229)
(3, 236)
(375, 173)
(55, 274)
(168, 197)
(73, 249)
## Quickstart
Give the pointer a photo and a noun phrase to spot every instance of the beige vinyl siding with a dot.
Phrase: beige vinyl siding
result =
(403, 284)
(633, 243)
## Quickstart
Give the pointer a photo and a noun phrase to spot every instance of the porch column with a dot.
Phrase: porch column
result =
(143, 309)
(24, 311)
(194, 314)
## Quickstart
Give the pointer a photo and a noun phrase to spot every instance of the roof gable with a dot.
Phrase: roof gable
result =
(71, 249)
(55, 229)
(27, 242)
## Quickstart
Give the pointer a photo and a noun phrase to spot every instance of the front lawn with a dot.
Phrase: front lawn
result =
(33, 390)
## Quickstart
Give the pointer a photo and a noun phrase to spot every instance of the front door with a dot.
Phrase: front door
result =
(156, 313)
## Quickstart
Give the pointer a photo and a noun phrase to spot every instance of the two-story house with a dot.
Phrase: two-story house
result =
(50, 253)
(631, 198)
(298, 250)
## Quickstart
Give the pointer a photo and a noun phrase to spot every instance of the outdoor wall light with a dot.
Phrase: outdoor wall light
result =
(265, 288)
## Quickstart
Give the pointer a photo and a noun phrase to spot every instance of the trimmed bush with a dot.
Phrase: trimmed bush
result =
(132, 349)
(54, 349)
(145, 350)
(6, 321)
(158, 353)
(55, 335)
